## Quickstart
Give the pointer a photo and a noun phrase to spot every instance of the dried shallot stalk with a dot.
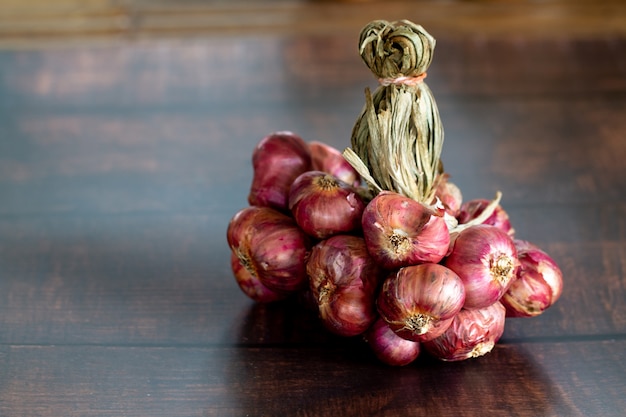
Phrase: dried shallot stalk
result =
(397, 139)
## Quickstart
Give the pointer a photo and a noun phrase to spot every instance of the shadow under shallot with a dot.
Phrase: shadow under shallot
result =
(287, 364)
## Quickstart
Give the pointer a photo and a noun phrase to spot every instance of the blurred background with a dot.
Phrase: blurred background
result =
(37, 22)
(126, 132)
(108, 90)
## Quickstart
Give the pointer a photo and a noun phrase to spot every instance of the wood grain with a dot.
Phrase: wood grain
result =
(517, 380)
(126, 132)
(162, 279)
(36, 23)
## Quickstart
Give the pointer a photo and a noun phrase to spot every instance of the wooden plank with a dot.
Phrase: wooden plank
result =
(37, 24)
(518, 380)
(299, 70)
(121, 165)
(536, 151)
(165, 279)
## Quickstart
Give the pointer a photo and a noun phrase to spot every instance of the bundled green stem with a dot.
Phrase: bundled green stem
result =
(398, 137)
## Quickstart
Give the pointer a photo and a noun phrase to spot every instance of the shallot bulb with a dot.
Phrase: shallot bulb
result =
(324, 206)
(538, 285)
(343, 279)
(328, 159)
(473, 208)
(450, 196)
(251, 285)
(485, 258)
(389, 347)
(277, 161)
(400, 231)
(270, 246)
(473, 333)
(418, 302)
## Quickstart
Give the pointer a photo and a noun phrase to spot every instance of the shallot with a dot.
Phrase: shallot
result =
(251, 285)
(538, 285)
(485, 259)
(470, 210)
(418, 302)
(389, 347)
(473, 333)
(450, 196)
(400, 231)
(324, 206)
(270, 246)
(343, 279)
(277, 160)
(328, 159)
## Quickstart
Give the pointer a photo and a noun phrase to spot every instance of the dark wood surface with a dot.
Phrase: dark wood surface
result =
(124, 153)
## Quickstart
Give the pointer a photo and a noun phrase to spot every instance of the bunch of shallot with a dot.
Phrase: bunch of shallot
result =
(377, 238)
(406, 276)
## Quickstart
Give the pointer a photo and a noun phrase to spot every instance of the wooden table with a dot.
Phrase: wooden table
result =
(126, 131)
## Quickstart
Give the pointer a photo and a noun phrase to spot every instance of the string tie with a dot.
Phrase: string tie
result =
(403, 80)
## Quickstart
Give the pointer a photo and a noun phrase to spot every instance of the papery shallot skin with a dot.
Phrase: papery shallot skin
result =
(390, 348)
(472, 333)
(344, 279)
(499, 218)
(400, 231)
(418, 302)
(433, 241)
(271, 246)
(485, 259)
(324, 206)
(538, 285)
(450, 196)
(251, 285)
(277, 160)
(328, 159)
